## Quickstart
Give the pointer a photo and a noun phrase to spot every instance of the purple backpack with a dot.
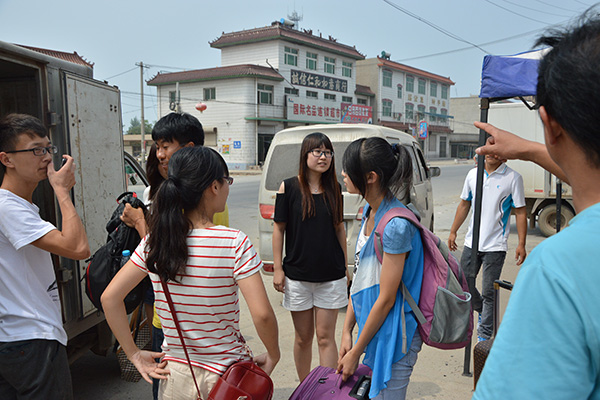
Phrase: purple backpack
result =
(444, 312)
(324, 383)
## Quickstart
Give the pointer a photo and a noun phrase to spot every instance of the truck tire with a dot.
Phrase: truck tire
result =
(547, 218)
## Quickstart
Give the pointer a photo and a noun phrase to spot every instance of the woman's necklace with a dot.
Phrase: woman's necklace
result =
(314, 190)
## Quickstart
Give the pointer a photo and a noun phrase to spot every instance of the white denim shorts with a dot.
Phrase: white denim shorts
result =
(302, 295)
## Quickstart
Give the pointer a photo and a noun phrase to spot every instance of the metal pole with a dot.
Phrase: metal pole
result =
(485, 105)
(558, 204)
(143, 139)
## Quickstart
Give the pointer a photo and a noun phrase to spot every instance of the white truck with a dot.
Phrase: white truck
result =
(83, 117)
(540, 185)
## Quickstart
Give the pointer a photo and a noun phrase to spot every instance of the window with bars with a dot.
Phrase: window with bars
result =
(386, 108)
(432, 111)
(422, 84)
(329, 65)
(291, 56)
(329, 96)
(433, 89)
(311, 61)
(387, 78)
(210, 93)
(420, 112)
(410, 84)
(409, 111)
(347, 69)
(312, 95)
(265, 94)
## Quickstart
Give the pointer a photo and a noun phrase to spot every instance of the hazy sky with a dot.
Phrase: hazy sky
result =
(174, 35)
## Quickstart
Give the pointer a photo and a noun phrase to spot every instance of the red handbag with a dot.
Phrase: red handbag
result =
(243, 380)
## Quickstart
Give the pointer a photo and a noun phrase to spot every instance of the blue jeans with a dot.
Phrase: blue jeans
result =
(34, 369)
(492, 263)
(401, 372)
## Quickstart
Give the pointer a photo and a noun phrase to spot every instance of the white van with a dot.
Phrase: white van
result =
(282, 163)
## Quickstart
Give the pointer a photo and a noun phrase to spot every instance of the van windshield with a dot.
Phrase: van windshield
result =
(284, 163)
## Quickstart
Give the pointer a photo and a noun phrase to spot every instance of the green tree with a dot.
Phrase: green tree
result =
(135, 127)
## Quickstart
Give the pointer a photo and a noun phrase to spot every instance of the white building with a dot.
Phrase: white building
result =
(465, 138)
(406, 96)
(271, 78)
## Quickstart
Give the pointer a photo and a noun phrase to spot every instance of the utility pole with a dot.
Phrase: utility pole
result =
(142, 127)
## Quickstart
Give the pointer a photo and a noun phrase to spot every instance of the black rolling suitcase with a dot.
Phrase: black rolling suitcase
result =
(482, 349)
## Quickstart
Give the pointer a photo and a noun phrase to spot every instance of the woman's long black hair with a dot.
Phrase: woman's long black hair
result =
(392, 163)
(152, 172)
(191, 171)
(331, 188)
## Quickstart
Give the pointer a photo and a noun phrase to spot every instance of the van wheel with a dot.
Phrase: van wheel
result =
(547, 219)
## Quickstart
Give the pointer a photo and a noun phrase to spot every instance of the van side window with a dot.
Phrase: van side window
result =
(417, 175)
(422, 163)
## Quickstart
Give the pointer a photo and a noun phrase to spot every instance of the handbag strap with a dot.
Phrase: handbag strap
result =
(176, 321)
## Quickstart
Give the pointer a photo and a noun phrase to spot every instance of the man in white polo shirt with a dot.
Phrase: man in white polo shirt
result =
(502, 191)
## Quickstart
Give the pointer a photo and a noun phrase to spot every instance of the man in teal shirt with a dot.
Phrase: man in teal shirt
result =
(548, 345)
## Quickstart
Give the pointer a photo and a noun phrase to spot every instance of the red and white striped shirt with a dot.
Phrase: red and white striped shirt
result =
(206, 298)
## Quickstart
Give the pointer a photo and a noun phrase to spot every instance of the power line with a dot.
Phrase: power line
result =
(534, 9)
(434, 26)
(162, 66)
(469, 48)
(552, 5)
(581, 2)
(122, 73)
(516, 13)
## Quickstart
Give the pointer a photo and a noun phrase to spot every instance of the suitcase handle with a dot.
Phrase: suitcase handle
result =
(503, 284)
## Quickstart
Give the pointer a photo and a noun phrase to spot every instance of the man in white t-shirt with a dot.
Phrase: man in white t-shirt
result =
(502, 192)
(33, 357)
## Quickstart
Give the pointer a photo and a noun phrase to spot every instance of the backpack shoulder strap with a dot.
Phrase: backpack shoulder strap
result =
(378, 242)
(387, 217)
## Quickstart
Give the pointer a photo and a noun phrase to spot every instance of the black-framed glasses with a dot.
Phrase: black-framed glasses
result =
(38, 151)
(229, 179)
(319, 153)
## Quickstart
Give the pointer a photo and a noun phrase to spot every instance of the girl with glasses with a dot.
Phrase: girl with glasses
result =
(313, 275)
(203, 265)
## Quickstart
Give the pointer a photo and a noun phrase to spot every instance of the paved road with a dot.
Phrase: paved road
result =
(437, 374)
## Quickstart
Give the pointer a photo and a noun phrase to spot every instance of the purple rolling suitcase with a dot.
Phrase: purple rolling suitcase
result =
(324, 384)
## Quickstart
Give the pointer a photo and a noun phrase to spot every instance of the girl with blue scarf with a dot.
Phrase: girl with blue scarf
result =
(380, 172)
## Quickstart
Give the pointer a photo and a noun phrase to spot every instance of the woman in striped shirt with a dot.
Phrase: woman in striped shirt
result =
(203, 266)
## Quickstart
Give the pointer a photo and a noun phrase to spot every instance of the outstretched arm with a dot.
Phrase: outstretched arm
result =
(349, 323)
(264, 320)
(461, 214)
(521, 216)
(114, 309)
(392, 269)
(509, 146)
(277, 244)
(340, 233)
